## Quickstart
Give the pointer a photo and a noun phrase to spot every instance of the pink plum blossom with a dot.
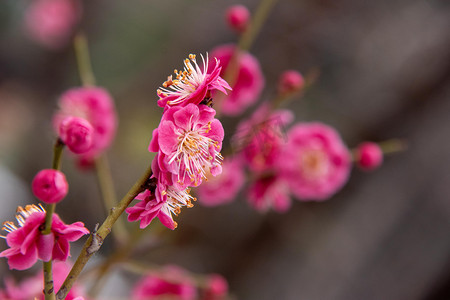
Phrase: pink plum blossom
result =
(315, 163)
(77, 134)
(249, 81)
(269, 192)
(216, 288)
(369, 156)
(31, 287)
(237, 17)
(160, 200)
(51, 22)
(192, 84)
(261, 138)
(50, 186)
(95, 105)
(170, 281)
(188, 140)
(290, 81)
(222, 188)
(27, 244)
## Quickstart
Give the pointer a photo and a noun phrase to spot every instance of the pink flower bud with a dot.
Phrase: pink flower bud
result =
(77, 134)
(216, 287)
(369, 156)
(238, 17)
(50, 186)
(290, 81)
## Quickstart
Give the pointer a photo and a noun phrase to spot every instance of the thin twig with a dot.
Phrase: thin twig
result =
(49, 291)
(96, 239)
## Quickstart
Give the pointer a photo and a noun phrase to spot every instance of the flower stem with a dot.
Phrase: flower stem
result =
(49, 291)
(96, 239)
(106, 185)
(258, 20)
(83, 60)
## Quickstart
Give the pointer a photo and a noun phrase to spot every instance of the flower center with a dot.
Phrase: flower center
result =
(186, 82)
(21, 215)
(196, 153)
(314, 164)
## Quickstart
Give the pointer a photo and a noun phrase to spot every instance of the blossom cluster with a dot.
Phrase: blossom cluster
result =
(187, 142)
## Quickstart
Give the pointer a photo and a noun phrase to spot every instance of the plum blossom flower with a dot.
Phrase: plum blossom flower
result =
(31, 287)
(161, 200)
(27, 244)
(269, 192)
(50, 186)
(170, 281)
(192, 84)
(188, 140)
(315, 163)
(369, 156)
(95, 105)
(51, 22)
(261, 138)
(222, 188)
(248, 83)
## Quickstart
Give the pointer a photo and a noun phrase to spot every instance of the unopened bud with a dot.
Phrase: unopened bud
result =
(369, 156)
(77, 134)
(290, 82)
(238, 17)
(50, 186)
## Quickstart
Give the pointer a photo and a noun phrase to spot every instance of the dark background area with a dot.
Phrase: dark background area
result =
(384, 73)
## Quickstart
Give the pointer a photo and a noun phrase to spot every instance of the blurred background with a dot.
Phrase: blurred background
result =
(384, 73)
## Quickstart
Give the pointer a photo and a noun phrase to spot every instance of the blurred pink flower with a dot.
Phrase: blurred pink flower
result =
(50, 186)
(290, 81)
(95, 105)
(192, 84)
(249, 81)
(27, 243)
(51, 22)
(237, 17)
(170, 281)
(315, 163)
(369, 156)
(261, 138)
(77, 133)
(31, 287)
(189, 139)
(216, 288)
(222, 188)
(269, 192)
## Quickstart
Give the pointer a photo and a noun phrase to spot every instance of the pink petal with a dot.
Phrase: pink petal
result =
(30, 240)
(20, 261)
(184, 118)
(44, 246)
(154, 146)
(61, 249)
(167, 138)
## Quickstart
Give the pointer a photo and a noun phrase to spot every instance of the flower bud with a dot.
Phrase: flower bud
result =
(369, 156)
(77, 134)
(50, 186)
(290, 81)
(216, 287)
(238, 17)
